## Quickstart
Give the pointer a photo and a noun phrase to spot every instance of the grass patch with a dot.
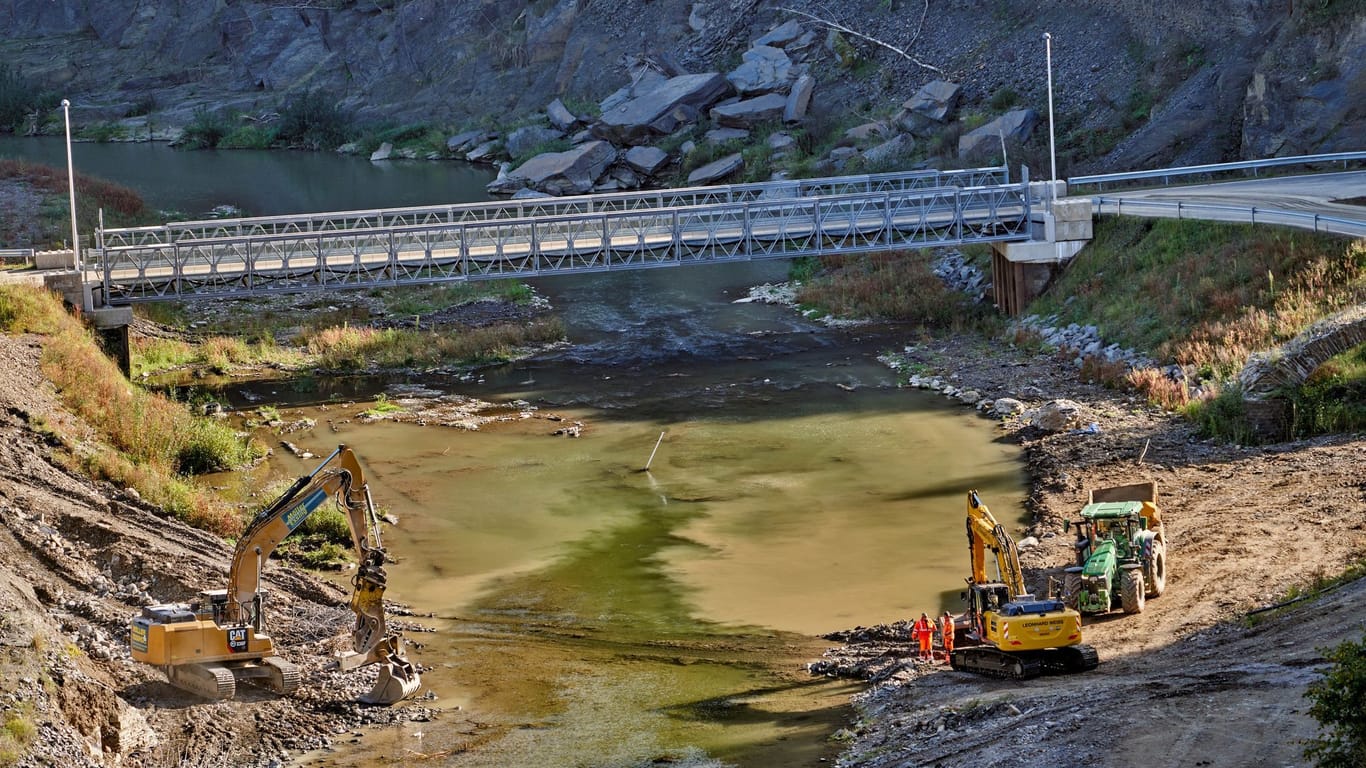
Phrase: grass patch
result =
(890, 285)
(424, 300)
(122, 206)
(347, 348)
(150, 442)
(382, 406)
(1203, 294)
(16, 734)
(1333, 398)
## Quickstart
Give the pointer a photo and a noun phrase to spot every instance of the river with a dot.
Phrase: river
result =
(589, 613)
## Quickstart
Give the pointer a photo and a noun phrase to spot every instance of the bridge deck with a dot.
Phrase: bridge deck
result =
(594, 233)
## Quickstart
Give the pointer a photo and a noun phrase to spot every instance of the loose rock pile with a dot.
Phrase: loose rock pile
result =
(772, 84)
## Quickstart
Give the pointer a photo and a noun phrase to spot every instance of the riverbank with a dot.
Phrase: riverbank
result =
(1179, 683)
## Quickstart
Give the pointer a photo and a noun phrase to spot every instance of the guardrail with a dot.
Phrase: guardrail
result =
(16, 254)
(1167, 174)
(1231, 213)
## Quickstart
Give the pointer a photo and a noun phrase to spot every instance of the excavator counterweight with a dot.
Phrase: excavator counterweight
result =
(207, 647)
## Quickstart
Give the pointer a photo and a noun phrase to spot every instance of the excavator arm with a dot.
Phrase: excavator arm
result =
(339, 477)
(985, 533)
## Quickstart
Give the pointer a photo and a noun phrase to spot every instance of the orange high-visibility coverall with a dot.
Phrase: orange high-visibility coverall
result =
(924, 632)
(946, 628)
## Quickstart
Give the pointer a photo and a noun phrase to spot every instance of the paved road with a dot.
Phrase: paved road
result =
(1308, 194)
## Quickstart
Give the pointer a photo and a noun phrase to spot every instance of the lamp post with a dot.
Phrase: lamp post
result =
(71, 187)
(1052, 152)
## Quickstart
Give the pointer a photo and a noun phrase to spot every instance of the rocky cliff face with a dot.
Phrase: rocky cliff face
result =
(1188, 81)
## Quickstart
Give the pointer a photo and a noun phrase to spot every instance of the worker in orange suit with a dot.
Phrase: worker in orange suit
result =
(923, 630)
(946, 629)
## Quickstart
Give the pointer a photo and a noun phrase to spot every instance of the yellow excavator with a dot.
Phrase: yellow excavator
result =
(206, 647)
(1010, 633)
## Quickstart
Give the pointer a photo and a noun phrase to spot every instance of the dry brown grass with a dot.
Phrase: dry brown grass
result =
(148, 440)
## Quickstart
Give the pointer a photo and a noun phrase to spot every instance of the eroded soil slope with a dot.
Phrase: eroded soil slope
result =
(77, 559)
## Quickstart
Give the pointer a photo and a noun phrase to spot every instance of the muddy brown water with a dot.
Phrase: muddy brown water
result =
(587, 613)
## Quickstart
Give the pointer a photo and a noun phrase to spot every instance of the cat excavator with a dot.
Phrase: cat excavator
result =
(207, 647)
(1010, 632)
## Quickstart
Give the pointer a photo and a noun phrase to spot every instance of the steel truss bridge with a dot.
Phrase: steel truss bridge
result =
(548, 236)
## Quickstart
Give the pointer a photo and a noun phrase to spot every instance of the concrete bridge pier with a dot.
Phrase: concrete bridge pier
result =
(1021, 271)
(111, 323)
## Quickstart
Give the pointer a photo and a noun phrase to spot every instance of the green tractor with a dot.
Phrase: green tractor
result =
(1121, 551)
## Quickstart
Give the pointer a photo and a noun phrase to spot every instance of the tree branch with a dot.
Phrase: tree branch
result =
(846, 30)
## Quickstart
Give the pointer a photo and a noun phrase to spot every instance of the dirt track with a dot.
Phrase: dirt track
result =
(1187, 682)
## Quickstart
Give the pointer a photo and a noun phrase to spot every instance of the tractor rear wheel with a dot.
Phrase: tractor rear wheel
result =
(1131, 594)
(1155, 574)
(1071, 590)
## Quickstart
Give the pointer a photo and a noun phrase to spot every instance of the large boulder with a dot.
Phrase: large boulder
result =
(646, 160)
(798, 99)
(898, 146)
(1014, 125)
(937, 101)
(560, 116)
(781, 35)
(717, 169)
(559, 173)
(634, 122)
(1059, 416)
(748, 112)
(467, 140)
(522, 141)
(765, 69)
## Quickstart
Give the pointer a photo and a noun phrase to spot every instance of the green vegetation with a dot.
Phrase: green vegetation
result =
(1338, 700)
(1203, 294)
(19, 98)
(146, 441)
(382, 406)
(309, 120)
(17, 734)
(896, 285)
(1206, 296)
(1333, 399)
(347, 348)
(424, 300)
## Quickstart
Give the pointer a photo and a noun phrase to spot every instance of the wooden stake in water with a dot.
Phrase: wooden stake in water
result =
(652, 453)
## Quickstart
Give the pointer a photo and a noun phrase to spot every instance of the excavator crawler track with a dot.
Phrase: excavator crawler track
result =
(212, 681)
(284, 677)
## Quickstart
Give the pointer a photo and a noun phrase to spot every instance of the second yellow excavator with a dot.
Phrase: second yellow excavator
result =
(206, 647)
(1010, 632)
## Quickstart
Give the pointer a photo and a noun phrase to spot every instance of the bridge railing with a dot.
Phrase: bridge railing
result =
(1251, 214)
(606, 240)
(345, 221)
(1255, 166)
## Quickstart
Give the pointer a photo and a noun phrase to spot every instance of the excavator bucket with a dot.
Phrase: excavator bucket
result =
(398, 679)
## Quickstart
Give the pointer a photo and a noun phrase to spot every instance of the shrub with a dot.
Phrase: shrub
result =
(19, 97)
(1221, 414)
(313, 120)
(206, 130)
(1159, 389)
(1339, 698)
(893, 285)
(248, 136)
